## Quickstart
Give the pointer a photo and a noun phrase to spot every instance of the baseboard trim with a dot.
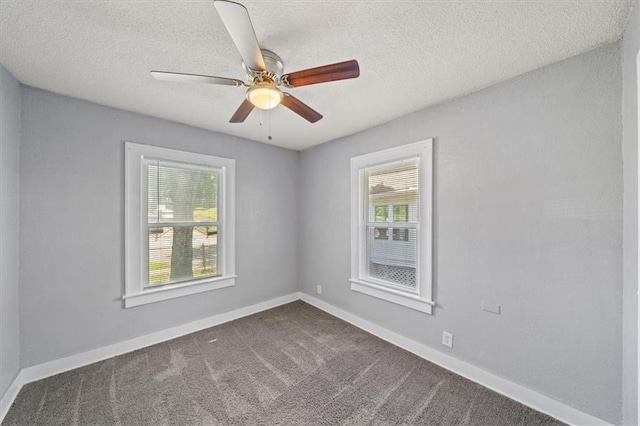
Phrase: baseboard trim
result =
(51, 368)
(10, 395)
(505, 387)
(489, 380)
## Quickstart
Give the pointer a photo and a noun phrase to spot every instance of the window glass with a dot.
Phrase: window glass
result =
(400, 234)
(392, 254)
(381, 233)
(392, 263)
(381, 213)
(181, 196)
(401, 213)
(196, 257)
(177, 193)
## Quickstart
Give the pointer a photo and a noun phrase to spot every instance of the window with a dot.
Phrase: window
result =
(391, 225)
(179, 223)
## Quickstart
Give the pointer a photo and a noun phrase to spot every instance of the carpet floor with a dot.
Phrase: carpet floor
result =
(291, 365)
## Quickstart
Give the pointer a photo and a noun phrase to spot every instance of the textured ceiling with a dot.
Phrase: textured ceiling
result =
(412, 54)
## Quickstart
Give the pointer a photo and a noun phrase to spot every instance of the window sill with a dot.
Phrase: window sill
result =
(178, 290)
(397, 297)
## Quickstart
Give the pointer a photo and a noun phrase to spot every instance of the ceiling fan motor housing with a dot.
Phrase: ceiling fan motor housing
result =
(274, 67)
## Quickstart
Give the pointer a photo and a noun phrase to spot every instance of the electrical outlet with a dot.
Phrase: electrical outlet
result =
(447, 339)
(319, 289)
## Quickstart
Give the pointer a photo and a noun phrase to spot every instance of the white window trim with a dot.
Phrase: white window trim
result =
(135, 221)
(423, 301)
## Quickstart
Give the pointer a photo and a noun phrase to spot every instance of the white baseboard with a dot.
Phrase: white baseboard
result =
(489, 380)
(10, 395)
(512, 390)
(47, 369)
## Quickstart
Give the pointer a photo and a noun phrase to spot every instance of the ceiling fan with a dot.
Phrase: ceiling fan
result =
(264, 70)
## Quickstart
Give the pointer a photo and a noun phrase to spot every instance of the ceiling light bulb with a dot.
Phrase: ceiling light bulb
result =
(264, 95)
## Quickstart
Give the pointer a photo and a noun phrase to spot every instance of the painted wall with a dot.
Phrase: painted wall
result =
(528, 213)
(72, 225)
(631, 46)
(9, 213)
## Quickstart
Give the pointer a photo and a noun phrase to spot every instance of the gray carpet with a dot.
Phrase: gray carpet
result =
(292, 365)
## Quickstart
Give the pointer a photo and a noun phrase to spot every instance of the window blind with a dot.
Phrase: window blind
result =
(392, 212)
(182, 222)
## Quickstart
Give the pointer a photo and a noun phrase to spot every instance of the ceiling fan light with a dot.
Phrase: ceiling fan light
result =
(264, 95)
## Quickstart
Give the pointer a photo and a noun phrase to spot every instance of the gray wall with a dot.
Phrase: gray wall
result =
(9, 209)
(528, 212)
(631, 45)
(72, 229)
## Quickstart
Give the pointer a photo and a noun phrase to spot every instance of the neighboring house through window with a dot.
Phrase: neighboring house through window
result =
(400, 214)
(179, 223)
(391, 225)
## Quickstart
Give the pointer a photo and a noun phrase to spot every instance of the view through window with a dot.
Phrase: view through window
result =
(392, 205)
(182, 225)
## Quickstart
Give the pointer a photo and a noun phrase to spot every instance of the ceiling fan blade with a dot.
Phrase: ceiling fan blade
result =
(242, 112)
(195, 78)
(323, 74)
(300, 108)
(236, 19)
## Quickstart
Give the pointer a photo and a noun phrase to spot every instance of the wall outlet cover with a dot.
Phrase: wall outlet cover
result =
(319, 289)
(447, 339)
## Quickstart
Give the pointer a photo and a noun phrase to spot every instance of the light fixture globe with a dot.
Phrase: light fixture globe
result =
(264, 95)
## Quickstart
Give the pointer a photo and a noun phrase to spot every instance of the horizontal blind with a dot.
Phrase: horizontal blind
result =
(181, 193)
(182, 222)
(392, 213)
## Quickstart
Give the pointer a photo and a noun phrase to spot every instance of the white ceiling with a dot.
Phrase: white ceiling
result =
(412, 54)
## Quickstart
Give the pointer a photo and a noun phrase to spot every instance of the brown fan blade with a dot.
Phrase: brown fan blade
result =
(333, 72)
(300, 108)
(242, 112)
(179, 77)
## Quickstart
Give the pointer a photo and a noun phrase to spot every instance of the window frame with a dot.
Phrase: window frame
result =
(422, 299)
(136, 236)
